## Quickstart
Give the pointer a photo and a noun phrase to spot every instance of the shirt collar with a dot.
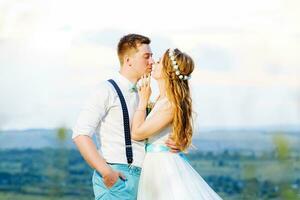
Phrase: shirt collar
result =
(126, 84)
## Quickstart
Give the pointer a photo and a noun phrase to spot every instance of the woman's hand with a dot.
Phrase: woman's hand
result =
(144, 91)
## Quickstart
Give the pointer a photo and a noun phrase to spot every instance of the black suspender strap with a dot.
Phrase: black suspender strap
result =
(128, 146)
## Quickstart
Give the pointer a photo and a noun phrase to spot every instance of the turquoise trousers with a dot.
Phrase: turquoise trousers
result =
(125, 190)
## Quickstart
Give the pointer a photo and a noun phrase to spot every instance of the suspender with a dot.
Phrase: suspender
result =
(128, 146)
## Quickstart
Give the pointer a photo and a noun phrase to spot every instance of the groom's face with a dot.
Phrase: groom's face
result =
(142, 60)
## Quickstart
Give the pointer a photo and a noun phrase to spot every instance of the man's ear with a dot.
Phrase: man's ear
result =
(127, 60)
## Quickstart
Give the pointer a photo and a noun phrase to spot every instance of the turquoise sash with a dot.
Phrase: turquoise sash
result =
(161, 148)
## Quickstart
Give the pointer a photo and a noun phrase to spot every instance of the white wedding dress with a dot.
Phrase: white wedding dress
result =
(169, 176)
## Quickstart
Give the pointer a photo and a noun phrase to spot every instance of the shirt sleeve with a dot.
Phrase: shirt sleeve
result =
(92, 112)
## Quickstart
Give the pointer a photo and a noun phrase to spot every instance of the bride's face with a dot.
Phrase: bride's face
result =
(157, 70)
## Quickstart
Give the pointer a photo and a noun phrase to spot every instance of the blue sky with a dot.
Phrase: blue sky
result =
(53, 53)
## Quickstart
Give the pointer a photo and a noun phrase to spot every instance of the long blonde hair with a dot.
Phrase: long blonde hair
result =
(178, 92)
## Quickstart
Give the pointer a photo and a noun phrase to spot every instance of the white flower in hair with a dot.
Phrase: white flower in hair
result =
(176, 67)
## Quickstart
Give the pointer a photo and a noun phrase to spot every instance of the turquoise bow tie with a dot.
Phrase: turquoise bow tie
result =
(133, 88)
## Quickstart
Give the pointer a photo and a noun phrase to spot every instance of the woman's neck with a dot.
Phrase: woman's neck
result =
(162, 89)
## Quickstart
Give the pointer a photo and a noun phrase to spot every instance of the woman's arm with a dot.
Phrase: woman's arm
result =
(141, 128)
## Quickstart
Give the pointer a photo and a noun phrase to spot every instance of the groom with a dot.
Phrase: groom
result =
(117, 166)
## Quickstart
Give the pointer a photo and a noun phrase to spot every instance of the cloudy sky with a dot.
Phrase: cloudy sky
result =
(53, 53)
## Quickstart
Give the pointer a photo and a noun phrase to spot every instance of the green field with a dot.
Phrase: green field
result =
(62, 174)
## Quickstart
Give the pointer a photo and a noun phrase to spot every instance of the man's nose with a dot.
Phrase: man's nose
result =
(151, 62)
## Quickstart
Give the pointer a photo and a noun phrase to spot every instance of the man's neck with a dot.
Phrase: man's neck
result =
(128, 76)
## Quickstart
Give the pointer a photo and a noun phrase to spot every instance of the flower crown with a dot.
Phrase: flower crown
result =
(176, 67)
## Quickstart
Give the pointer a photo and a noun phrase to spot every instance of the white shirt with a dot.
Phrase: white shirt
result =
(103, 115)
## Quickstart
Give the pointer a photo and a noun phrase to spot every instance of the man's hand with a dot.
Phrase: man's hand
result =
(112, 177)
(172, 145)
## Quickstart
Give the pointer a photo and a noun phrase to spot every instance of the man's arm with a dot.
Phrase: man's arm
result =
(89, 152)
(89, 119)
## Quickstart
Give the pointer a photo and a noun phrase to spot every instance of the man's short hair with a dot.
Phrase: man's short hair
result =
(129, 43)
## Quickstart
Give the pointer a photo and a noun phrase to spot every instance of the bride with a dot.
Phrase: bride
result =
(166, 175)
